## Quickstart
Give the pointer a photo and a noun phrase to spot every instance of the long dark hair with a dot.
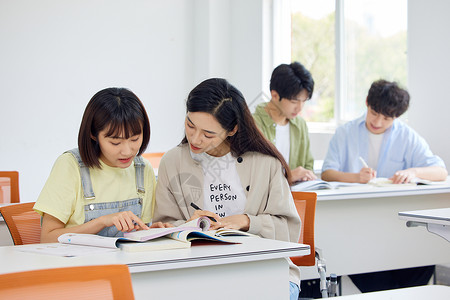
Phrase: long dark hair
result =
(227, 104)
(121, 110)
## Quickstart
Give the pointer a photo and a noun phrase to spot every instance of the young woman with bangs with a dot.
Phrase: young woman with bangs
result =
(104, 186)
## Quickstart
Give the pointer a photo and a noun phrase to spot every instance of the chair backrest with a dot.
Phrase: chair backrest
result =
(305, 202)
(87, 282)
(154, 158)
(23, 223)
(9, 187)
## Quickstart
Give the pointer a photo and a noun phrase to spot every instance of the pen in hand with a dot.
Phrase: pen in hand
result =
(367, 166)
(198, 208)
(363, 162)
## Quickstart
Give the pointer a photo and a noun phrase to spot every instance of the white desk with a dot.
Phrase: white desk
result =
(359, 231)
(437, 221)
(255, 269)
(413, 293)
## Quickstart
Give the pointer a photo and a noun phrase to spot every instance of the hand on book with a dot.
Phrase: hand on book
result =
(239, 222)
(124, 221)
(161, 225)
(302, 174)
(403, 176)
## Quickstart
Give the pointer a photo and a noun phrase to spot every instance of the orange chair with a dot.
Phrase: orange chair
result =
(9, 180)
(23, 223)
(305, 203)
(69, 283)
(154, 158)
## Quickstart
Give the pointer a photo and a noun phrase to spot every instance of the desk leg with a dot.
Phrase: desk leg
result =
(441, 230)
(265, 279)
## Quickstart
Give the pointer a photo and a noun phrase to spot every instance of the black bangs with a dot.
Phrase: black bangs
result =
(124, 128)
(125, 118)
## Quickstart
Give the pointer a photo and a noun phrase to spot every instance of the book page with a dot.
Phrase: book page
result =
(382, 181)
(202, 223)
(230, 232)
(152, 233)
(190, 236)
(311, 185)
(319, 184)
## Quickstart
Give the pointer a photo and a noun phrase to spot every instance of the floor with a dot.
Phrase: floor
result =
(441, 277)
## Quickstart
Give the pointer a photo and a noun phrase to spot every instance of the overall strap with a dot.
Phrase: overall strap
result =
(85, 175)
(139, 165)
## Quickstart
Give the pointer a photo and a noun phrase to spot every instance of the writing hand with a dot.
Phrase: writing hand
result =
(366, 175)
(403, 176)
(124, 221)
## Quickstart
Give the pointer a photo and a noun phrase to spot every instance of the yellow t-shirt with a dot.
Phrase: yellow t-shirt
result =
(63, 198)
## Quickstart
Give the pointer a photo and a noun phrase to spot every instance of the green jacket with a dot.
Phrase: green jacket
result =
(299, 152)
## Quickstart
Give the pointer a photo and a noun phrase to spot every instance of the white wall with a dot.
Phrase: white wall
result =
(429, 66)
(55, 55)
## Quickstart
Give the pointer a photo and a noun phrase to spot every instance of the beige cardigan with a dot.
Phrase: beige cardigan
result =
(269, 204)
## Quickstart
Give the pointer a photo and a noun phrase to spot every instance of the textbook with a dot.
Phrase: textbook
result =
(385, 182)
(320, 185)
(157, 238)
(381, 181)
(377, 182)
(187, 232)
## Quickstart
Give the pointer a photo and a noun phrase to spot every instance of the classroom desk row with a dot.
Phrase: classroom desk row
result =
(359, 230)
(255, 269)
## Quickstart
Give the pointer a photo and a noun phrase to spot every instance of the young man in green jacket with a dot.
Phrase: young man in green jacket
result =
(290, 87)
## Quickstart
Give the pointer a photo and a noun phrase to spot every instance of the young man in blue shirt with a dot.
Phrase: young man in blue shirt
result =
(378, 144)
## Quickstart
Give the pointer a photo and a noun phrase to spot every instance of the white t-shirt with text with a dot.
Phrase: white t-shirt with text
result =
(222, 188)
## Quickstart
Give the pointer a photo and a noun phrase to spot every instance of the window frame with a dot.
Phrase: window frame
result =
(282, 13)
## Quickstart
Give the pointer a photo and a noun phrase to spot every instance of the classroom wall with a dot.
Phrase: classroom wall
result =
(56, 54)
(429, 64)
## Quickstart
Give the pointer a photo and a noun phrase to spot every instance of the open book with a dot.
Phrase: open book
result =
(157, 238)
(381, 181)
(187, 232)
(320, 185)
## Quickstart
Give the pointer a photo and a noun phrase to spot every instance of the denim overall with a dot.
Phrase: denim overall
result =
(95, 210)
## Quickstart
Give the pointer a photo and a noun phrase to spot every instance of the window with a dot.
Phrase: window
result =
(347, 44)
